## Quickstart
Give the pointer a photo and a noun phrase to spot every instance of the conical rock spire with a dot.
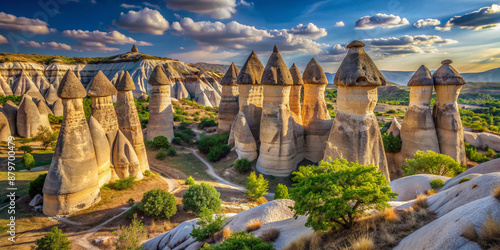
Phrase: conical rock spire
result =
(100, 86)
(251, 72)
(158, 77)
(314, 74)
(422, 77)
(231, 75)
(70, 87)
(297, 79)
(276, 71)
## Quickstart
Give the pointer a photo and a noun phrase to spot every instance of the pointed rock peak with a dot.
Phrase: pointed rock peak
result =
(395, 127)
(125, 83)
(358, 69)
(276, 71)
(158, 77)
(422, 77)
(297, 79)
(447, 75)
(94, 124)
(231, 76)
(251, 72)
(70, 87)
(314, 74)
(100, 86)
(134, 49)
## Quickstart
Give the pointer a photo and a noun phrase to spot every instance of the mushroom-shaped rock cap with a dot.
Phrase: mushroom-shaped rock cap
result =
(134, 49)
(231, 76)
(251, 72)
(297, 79)
(447, 75)
(100, 86)
(158, 77)
(70, 87)
(422, 77)
(358, 69)
(314, 74)
(124, 82)
(276, 71)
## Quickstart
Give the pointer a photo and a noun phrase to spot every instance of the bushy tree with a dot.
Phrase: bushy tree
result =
(159, 204)
(256, 187)
(281, 192)
(334, 193)
(189, 181)
(160, 142)
(28, 161)
(26, 149)
(177, 140)
(241, 240)
(431, 162)
(217, 152)
(243, 165)
(36, 186)
(171, 152)
(392, 144)
(131, 236)
(45, 136)
(55, 240)
(208, 224)
(207, 142)
(200, 196)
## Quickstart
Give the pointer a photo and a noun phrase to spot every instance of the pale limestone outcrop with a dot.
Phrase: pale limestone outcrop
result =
(418, 131)
(44, 111)
(40, 82)
(125, 159)
(24, 85)
(450, 132)
(278, 152)
(161, 117)
(395, 128)
(28, 118)
(128, 119)
(4, 128)
(5, 87)
(10, 110)
(72, 182)
(229, 106)
(355, 134)
(241, 138)
(102, 151)
(483, 139)
(315, 117)
(100, 91)
(57, 107)
(51, 95)
(177, 88)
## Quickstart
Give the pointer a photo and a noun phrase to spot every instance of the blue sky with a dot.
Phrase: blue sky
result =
(399, 34)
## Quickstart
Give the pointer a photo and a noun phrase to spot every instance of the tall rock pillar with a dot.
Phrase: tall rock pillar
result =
(296, 110)
(229, 106)
(355, 134)
(161, 117)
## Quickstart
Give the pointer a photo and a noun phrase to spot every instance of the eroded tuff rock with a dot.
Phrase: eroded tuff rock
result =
(177, 88)
(316, 119)
(355, 134)
(24, 85)
(57, 107)
(296, 110)
(125, 159)
(278, 152)
(229, 106)
(4, 128)
(51, 95)
(161, 117)
(241, 138)
(102, 151)
(28, 117)
(450, 131)
(395, 128)
(72, 182)
(128, 119)
(5, 87)
(10, 110)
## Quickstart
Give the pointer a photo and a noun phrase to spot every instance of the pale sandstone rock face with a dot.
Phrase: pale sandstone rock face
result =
(24, 85)
(355, 134)
(10, 109)
(44, 111)
(128, 119)
(395, 128)
(72, 182)
(4, 128)
(242, 139)
(316, 119)
(229, 105)
(161, 117)
(447, 120)
(125, 159)
(278, 152)
(28, 118)
(102, 151)
(51, 95)
(5, 87)
(483, 139)
(177, 88)
(57, 107)
(296, 110)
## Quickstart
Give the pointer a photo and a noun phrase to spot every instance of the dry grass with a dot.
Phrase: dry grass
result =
(220, 236)
(253, 225)
(388, 238)
(261, 200)
(226, 233)
(420, 202)
(469, 232)
(431, 192)
(363, 242)
(496, 193)
(302, 242)
(390, 214)
(474, 186)
(488, 236)
(270, 235)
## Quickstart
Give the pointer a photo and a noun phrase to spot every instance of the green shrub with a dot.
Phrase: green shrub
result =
(243, 165)
(281, 192)
(122, 184)
(205, 143)
(171, 152)
(472, 153)
(147, 173)
(177, 140)
(436, 183)
(392, 144)
(206, 123)
(28, 161)
(148, 143)
(131, 201)
(240, 240)
(161, 154)
(55, 240)
(26, 149)
(179, 118)
(256, 187)
(431, 162)
(463, 180)
(45, 136)
(200, 196)
(208, 224)
(130, 237)
(190, 181)
(391, 111)
(334, 193)
(132, 212)
(218, 152)
(490, 152)
(55, 119)
(36, 186)
(158, 203)
(160, 142)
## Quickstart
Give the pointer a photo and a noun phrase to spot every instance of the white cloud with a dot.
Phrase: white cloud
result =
(177, 16)
(218, 9)
(422, 23)
(14, 23)
(245, 3)
(130, 6)
(310, 30)
(97, 40)
(380, 20)
(3, 40)
(405, 45)
(49, 45)
(484, 18)
(204, 54)
(143, 21)
(335, 54)
(154, 6)
(339, 24)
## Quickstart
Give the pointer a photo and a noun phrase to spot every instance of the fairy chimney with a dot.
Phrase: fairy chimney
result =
(5, 87)
(278, 152)
(161, 117)
(28, 117)
(229, 106)
(125, 160)
(72, 182)
(315, 117)
(449, 129)
(134, 49)
(395, 128)
(4, 128)
(128, 118)
(355, 134)
(10, 110)
(102, 151)
(296, 109)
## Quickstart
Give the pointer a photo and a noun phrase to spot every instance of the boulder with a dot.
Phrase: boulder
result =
(28, 118)
(5, 131)
(242, 139)
(102, 151)
(410, 186)
(161, 117)
(125, 159)
(10, 110)
(229, 106)
(482, 140)
(37, 200)
(478, 170)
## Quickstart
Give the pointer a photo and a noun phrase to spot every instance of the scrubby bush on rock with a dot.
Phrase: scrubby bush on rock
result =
(392, 144)
(158, 203)
(281, 192)
(200, 196)
(36, 186)
(240, 240)
(208, 224)
(436, 183)
(431, 162)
